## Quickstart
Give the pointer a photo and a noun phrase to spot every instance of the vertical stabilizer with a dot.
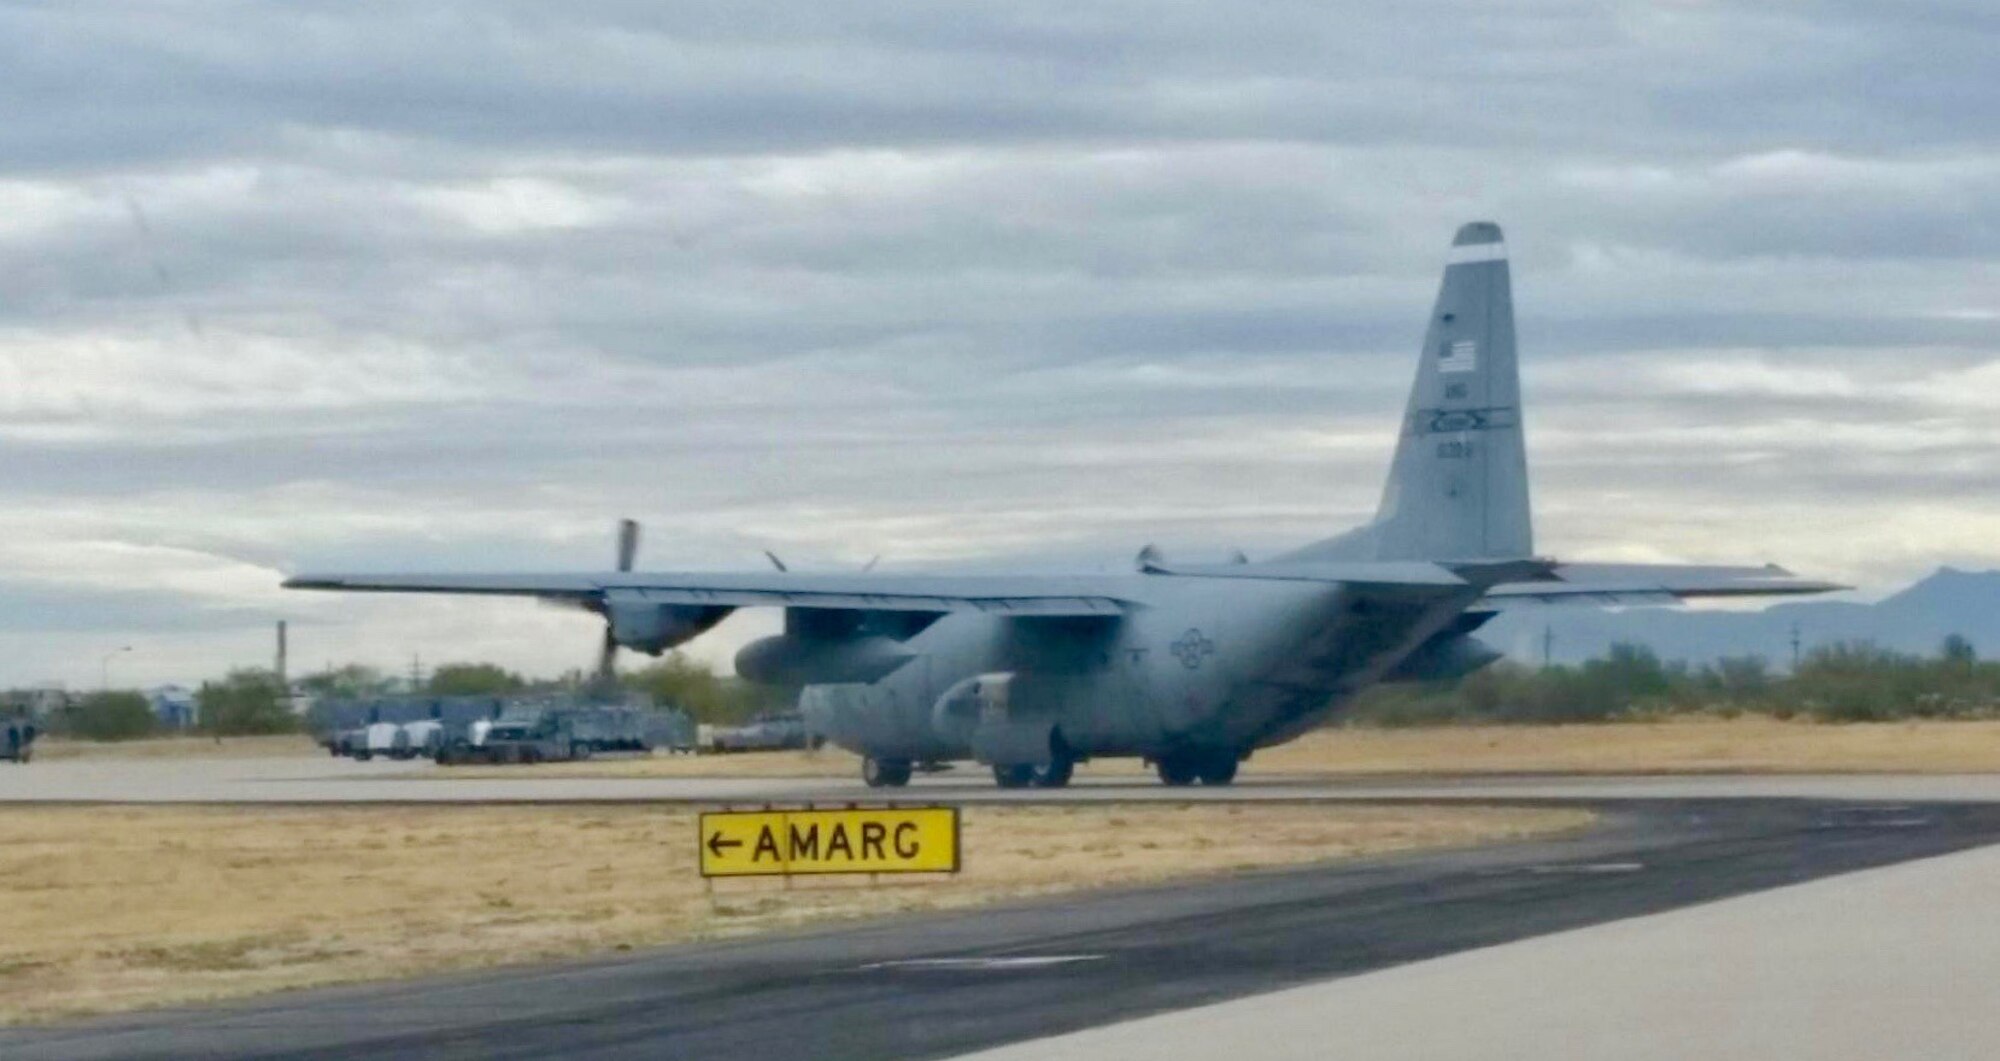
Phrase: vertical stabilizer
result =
(1458, 487)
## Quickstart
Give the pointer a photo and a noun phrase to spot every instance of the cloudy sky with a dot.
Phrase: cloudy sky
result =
(377, 285)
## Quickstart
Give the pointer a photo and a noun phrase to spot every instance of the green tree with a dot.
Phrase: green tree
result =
(1858, 681)
(1841, 682)
(677, 681)
(246, 702)
(346, 682)
(473, 679)
(1735, 680)
(107, 715)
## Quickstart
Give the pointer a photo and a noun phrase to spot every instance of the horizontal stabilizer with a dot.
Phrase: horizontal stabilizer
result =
(1640, 584)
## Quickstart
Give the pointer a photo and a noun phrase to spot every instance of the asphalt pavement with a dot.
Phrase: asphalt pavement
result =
(1894, 962)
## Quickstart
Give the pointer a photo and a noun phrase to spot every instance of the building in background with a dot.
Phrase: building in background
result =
(174, 706)
(41, 703)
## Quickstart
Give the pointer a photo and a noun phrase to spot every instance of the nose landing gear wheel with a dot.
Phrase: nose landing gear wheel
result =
(892, 773)
(1020, 776)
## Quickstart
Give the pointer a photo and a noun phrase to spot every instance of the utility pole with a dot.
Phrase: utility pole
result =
(1795, 648)
(416, 673)
(284, 686)
(1548, 645)
(104, 668)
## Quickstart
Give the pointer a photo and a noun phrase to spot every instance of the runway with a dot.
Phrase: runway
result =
(314, 779)
(945, 985)
(1894, 962)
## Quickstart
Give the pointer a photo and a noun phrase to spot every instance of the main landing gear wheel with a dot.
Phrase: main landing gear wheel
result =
(1061, 765)
(1187, 767)
(1014, 776)
(1053, 774)
(890, 773)
(1217, 769)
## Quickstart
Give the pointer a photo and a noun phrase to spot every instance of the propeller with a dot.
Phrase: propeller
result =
(628, 552)
(779, 563)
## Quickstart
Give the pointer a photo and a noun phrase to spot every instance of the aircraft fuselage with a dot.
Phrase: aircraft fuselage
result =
(1212, 666)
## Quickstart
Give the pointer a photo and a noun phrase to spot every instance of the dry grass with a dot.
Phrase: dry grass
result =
(1696, 744)
(52, 748)
(111, 908)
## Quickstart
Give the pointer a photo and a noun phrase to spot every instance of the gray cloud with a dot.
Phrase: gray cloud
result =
(455, 285)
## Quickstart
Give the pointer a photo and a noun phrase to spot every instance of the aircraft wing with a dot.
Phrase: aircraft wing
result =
(1370, 575)
(1636, 584)
(1023, 595)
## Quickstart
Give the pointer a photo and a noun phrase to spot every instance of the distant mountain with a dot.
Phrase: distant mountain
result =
(1915, 620)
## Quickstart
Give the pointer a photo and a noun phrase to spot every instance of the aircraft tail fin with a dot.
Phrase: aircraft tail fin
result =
(1458, 487)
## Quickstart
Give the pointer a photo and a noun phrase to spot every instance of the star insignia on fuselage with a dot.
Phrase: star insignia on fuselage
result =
(1192, 648)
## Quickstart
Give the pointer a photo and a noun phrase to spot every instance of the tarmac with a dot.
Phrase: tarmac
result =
(315, 779)
(1887, 963)
(1716, 917)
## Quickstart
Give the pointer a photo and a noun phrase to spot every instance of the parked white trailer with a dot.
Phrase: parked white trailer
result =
(381, 738)
(421, 739)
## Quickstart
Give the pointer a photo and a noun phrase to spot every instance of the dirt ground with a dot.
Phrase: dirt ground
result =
(1694, 745)
(112, 908)
(54, 748)
(1749, 744)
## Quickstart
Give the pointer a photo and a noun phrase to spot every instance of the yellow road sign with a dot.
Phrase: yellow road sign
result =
(872, 840)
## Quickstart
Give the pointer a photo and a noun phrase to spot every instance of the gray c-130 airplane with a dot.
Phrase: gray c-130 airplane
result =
(1192, 667)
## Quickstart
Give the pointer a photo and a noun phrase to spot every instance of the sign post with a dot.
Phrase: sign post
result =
(872, 840)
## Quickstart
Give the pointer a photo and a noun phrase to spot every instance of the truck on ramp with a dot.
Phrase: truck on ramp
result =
(17, 739)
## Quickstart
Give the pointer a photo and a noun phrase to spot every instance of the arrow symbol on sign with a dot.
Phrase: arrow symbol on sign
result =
(717, 845)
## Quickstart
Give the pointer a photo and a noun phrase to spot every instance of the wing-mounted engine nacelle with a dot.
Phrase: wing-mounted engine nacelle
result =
(1444, 658)
(654, 628)
(1002, 717)
(794, 659)
(833, 646)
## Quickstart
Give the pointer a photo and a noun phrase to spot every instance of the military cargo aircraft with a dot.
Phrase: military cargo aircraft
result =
(1194, 666)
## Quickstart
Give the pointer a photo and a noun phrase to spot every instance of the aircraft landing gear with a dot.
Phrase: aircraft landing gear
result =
(1177, 770)
(885, 773)
(1052, 774)
(1210, 767)
(1217, 768)
(1055, 773)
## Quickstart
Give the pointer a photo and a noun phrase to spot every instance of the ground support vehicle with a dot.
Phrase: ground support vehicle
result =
(533, 735)
(17, 739)
(421, 739)
(560, 734)
(765, 733)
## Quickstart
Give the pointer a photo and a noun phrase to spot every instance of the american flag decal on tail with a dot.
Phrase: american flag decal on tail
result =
(1460, 356)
